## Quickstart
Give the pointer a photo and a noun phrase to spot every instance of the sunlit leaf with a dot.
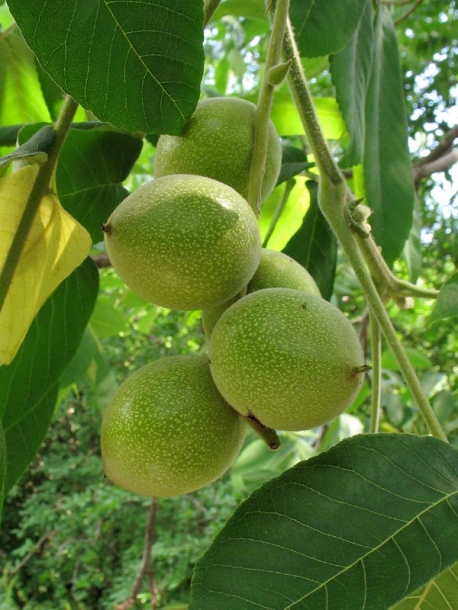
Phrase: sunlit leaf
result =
(439, 594)
(21, 100)
(359, 526)
(55, 246)
(288, 123)
(94, 161)
(137, 65)
(291, 216)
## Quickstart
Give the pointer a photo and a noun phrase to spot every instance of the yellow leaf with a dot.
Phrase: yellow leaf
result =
(55, 246)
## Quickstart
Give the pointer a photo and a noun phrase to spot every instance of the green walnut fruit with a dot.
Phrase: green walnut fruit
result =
(291, 360)
(217, 142)
(275, 270)
(168, 431)
(184, 242)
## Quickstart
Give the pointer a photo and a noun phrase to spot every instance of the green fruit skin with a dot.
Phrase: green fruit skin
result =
(286, 357)
(184, 242)
(275, 270)
(167, 431)
(217, 142)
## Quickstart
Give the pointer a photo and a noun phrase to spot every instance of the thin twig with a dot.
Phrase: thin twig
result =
(408, 13)
(210, 9)
(33, 550)
(146, 568)
(445, 145)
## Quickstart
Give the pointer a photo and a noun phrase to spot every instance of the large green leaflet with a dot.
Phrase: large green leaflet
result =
(29, 385)
(387, 177)
(362, 525)
(136, 64)
(350, 72)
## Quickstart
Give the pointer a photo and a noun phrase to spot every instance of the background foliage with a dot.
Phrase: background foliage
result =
(71, 539)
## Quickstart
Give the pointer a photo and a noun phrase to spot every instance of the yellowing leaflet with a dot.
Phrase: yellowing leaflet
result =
(55, 246)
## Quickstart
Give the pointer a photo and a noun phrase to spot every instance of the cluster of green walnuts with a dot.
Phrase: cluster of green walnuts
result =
(278, 354)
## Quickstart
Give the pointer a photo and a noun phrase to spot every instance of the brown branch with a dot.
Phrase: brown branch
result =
(101, 260)
(35, 548)
(210, 9)
(408, 13)
(146, 568)
(442, 164)
(444, 146)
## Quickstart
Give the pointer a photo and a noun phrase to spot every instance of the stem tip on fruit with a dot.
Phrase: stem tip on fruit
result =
(268, 435)
(360, 369)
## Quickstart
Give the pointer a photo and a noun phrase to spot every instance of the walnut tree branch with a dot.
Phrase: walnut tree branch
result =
(146, 568)
(441, 164)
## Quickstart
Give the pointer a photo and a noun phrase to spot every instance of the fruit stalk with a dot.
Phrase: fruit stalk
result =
(39, 190)
(264, 105)
(376, 352)
(268, 435)
(333, 194)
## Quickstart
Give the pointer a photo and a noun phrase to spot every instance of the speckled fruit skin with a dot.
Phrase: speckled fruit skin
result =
(275, 270)
(168, 431)
(184, 242)
(286, 357)
(217, 141)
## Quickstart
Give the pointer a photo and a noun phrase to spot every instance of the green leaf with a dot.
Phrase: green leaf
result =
(288, 123)
(94, 161)
(81, 361)
(29, 385)
(2, 466)
(255, 9)
(106, 321)
(21, 100)
(314, 245)
(324, 27)
(36, 148)
(413, 248)
(439, 594)
(417, 359)
(136, 64)
(359, 526)
(350, 73)
(387, 170)
(293, 162)
(257, 464)
(291, 200)
(447, 302)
